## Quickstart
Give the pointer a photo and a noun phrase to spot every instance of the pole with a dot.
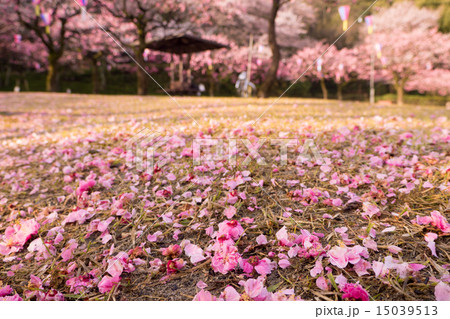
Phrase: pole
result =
(249, 65)
(372, 73)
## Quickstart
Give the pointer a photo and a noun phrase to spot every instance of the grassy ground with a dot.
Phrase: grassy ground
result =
(384, 167)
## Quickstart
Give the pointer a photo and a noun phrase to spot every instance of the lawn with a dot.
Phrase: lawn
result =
(364, 220)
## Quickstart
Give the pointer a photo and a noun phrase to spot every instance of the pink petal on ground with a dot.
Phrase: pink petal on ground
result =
(284, 263)
(204, 295)
(261, 240)
(338, 256)
(322, 283)
(416, 267)
(201, 285)
(103, 225)
(115, 267)
(107, 283)
(229, 212)
(264, 267)
(389, 229)
(195, 253)
(394, 249)
(318, 268)
(230, 294)
(442, 291)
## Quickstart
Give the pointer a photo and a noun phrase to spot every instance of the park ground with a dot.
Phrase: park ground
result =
(373, 213)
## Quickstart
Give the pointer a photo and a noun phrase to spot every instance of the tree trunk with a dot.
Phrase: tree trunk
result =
(102, 76)
(339, 91)
(7, 75)
(324, 89)
(95, 76)
(211, 82)
(399, 85)
(272, 73)
(142, 80)
(52, 84)
(399, 89)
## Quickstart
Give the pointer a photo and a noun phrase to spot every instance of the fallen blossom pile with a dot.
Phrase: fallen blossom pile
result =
(366, 221)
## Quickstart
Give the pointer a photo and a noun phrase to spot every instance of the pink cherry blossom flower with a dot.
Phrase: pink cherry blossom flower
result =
(264, 266)
(115, 267)
(172, 251)
(354, 292)
(6, 290)
(231, 229)
(361, 267)
(79, 216)
(340, 280)
(17, 235)
(416, 267)
(174, 265)
(370, 243)
(225, 259)
(261, 266)
(439, 221)
(154, 237)
(435, 219)
(337, 202)
(85, 186)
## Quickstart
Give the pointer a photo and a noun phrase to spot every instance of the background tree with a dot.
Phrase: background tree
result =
(304, 62)
(55, 36)
(135, 23)
(411, 44)
(279, 24)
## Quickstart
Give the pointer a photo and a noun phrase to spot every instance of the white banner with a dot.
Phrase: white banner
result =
(229, 310)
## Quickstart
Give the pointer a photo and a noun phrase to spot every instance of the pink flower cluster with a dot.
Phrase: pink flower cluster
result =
(435, 219)
(17, 235)
(305, 245)
(253, 290)
(226, 256)
(341, 256)
(38, 290)
(261, 266)
(354, 292)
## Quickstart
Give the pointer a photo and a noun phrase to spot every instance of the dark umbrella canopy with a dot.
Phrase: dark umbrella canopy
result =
(184, 44)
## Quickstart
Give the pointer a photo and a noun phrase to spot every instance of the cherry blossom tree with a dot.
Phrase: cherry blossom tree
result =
(96, 48)
(411, 46)
(433, 81)
(136, 23)
(285, 22)
(55, 27)
(310, 63)
(345, 66)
